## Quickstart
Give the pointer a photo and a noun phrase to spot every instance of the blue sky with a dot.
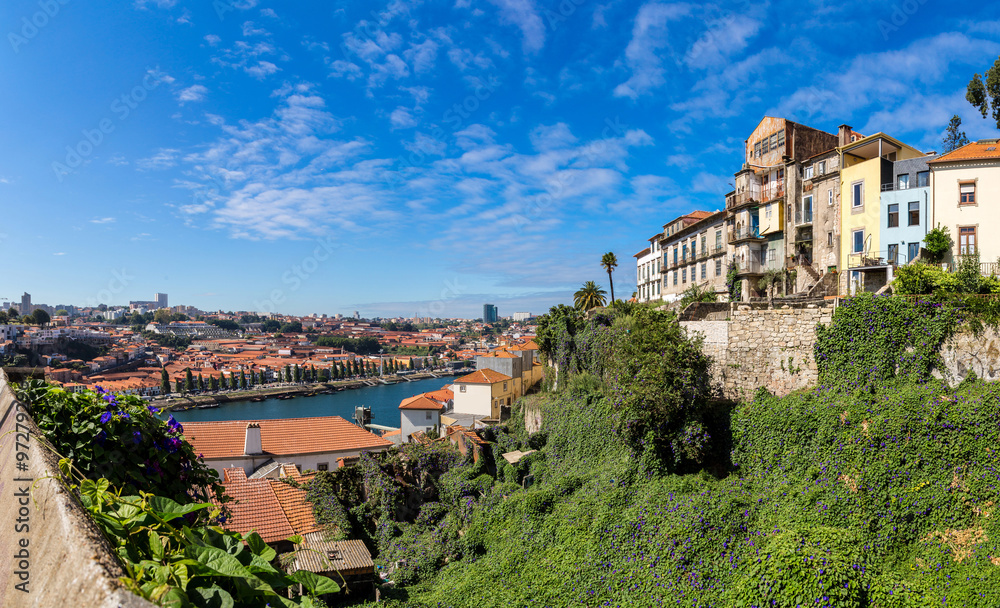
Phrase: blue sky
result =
(420, 157)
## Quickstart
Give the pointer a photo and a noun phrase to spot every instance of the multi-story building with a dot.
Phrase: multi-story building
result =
(965, 185)
(694, 252)
(772, 175)
(25, 304)
(866, 169)
(647, 271)
(813, 223)
(161, 300)
(489, 313)
(905, 209)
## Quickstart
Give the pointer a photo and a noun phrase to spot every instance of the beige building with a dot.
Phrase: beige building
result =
(694, 253)
(965, 186)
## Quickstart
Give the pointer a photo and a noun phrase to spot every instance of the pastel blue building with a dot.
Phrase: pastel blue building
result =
(905, 210)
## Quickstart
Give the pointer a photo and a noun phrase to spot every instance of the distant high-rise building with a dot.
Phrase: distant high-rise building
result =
(161, 300)
(25, 304)
(521, 316)
(357, 315)
(490, 313)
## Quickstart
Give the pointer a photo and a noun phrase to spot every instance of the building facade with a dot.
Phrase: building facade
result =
(647, 272)
(694, 253)
(489, 313)
(966, 188)
(867, 167)
(905, 211)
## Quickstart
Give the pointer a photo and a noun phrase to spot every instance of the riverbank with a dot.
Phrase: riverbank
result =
(289, 391)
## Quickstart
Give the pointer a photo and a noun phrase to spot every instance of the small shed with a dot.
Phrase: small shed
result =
(347, 562)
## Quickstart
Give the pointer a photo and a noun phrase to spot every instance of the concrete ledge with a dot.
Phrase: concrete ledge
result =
(68, 561)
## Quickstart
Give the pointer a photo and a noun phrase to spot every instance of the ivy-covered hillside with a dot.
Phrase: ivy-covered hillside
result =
(877, 488)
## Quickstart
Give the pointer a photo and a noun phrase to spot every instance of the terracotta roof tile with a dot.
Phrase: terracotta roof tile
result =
(280, 437)
(420, 402)
(984, 149)
(483, 376)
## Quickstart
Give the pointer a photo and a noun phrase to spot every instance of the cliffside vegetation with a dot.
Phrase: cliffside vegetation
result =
(879, 487)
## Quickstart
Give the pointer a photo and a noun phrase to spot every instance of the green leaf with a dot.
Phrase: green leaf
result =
(211, 597)
(259, 547)
(316, 584)
(295, 540)
(155, 545)
(64, 466)
(170, 510)
(218, 561)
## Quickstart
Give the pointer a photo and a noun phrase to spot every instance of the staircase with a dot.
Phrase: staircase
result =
(827, 285)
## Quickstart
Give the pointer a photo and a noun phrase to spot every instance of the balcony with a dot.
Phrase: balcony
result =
(718, 250)
(756, 194)
(747, 234)
(803, 216)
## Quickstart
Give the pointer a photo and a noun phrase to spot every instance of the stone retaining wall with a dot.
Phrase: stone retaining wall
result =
(51, 552)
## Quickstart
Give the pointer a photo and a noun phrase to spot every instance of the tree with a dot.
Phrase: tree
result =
(164, 382)
(937, 242)
(224, 324)
(188, 381)
(161, 316)
(243, 379)
(201, 383)
(40, 317)
(297, 374)
(983, 92)
(589, 296)
(222, 381)
(178, 387)
(953, 137)
(770, 278)
(288, 373)
(62, 312)
(609, 261)
(294, 327)
(12, 313)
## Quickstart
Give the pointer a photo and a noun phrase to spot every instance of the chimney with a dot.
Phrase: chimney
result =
(844, 135)
(252, 445)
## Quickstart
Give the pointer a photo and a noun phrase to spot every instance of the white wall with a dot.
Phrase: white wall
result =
(304, 461)
(984, 214)
(412, 421)
(476, 400)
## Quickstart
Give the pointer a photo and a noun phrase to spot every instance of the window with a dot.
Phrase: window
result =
(829, 239)
(461, 388)
(903, 181)
(763, 146)
(829, 197)
(967, 193)
(893, 254)
(913, 251)
(966, 240)
(704, 270)
(756, 150)
(504, 386)
(774, 141)
(809, 172)
(914, 214)
(684, 252)
(821, 169)
(704, 244)
(770, 255)
(675, 277)
(323, 466)
(859, 240)
(781, 138)
(718, 240)
(858, 194)
(428, 415)
(684, 275)
(718, 267)
(807, 209)
(923, 179)
(675, 256)
(893, 216)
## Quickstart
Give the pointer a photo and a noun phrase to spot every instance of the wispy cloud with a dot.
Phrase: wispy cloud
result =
(193, 93)
(103, 220)
(525, 15)
(642, 55)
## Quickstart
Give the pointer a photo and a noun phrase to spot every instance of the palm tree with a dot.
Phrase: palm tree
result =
(589, 296)
(609, 261)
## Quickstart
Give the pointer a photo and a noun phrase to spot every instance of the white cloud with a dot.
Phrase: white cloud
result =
(164, 158)
(422, 56)
(212, 40)
(723, 39)
(649, 38)
(402, 118)
(262, 70)
(268, 12)
(250, 29)
(103, 220)
(248, 57)
(525, 15)
(192, 93)
(157, 3)
(59, 253)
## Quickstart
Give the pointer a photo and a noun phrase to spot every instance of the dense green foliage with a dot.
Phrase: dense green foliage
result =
(146, 491)
(361, 346)
(696, 293)
(937, 242)
(877, 488)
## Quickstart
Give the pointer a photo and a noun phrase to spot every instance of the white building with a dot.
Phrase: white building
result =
(420, 413)
(647, 271)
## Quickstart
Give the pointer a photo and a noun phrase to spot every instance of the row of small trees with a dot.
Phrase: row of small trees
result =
(290, 373)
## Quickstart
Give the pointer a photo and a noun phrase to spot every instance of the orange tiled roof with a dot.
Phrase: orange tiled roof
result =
(984, 149)
(272, 508)
(280, 437)
(483, 376)
(442, 394)
(420, 402)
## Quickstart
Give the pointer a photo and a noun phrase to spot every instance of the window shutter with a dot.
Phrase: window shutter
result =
(968, 188)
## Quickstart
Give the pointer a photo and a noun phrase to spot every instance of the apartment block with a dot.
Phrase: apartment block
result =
(694, 253)
(965, 185)
(647, 271)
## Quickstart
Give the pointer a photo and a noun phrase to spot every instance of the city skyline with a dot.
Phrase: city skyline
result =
(401, 157)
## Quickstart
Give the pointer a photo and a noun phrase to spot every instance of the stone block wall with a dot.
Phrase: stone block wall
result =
(762, 348)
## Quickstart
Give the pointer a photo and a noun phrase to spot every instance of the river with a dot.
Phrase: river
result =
(382, 399)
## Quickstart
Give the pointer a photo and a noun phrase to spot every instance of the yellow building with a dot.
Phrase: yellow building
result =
(866, 166)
